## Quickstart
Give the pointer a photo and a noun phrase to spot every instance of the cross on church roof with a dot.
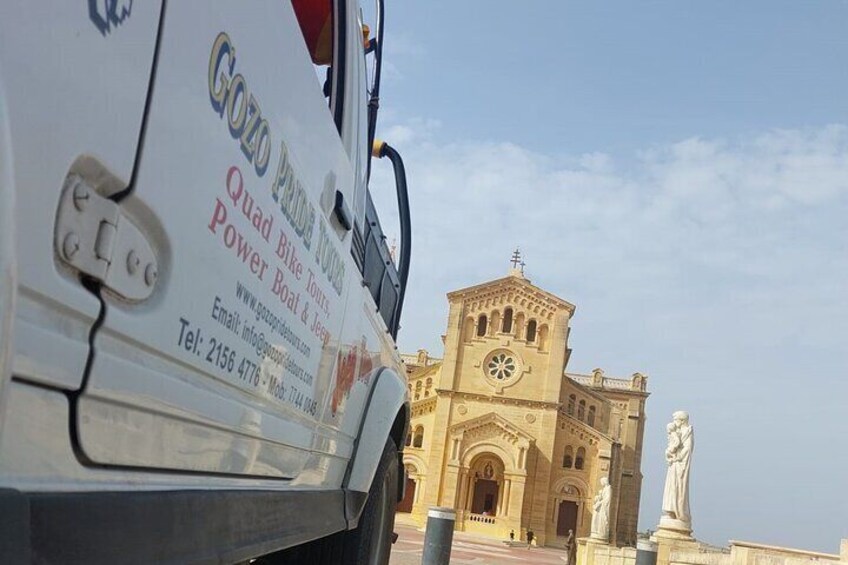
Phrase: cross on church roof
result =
(516, 259)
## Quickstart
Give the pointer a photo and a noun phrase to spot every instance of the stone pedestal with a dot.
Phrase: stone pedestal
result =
(668, 540)
(586, 550)
(672, 529)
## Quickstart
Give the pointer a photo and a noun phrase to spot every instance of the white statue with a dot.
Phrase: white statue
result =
(601, 511)
(678, 455)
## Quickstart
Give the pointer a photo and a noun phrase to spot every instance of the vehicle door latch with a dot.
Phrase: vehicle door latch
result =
(95, 237)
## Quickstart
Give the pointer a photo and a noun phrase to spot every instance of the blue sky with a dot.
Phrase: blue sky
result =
(679, 171)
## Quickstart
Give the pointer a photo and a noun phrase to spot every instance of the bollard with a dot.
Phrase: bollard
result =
(439, 536)
(646, 552)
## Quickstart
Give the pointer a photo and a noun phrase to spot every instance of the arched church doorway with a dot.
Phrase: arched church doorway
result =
(487, 483)
(405, 505)
(485, 497)
(567, 510)
(566, 517)
(410, 488)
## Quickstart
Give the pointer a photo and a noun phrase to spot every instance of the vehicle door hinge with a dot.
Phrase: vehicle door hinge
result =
(94, 237)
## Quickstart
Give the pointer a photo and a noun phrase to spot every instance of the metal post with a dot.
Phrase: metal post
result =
(439, 536)
(646, 552)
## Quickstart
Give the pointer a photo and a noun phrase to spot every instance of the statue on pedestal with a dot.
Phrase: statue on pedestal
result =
(678, 455)
(601, 511)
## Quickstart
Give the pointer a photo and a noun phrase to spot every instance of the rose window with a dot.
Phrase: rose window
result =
(501, 366)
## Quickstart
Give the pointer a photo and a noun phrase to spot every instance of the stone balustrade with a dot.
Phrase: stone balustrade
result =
(481, 518)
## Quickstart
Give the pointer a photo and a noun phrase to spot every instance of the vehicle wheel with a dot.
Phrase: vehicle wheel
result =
(371, 541)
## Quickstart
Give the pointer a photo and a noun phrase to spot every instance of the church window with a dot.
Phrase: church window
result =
(572, 400)
(507, 321)
(501, 366)
(580, 460)
(531, 331)
(418, 440)
(482, 322)
(568, 458)
(543, 338)
(469, 329)
(581, 410)
(590, 419)
(409, 439)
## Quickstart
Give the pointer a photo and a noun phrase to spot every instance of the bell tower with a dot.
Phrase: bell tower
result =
(507, 338)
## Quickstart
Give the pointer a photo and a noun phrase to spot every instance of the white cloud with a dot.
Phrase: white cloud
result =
(720, 208)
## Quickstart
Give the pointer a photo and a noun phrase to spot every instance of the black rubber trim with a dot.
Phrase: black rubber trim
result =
(405, 229)
(356, 504)
(337, 99)
(374, 101)
(342, 212)
(357, 247)
(148, 101)
(162, 526)
(14, 528)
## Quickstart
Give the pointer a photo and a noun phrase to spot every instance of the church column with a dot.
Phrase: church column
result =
(506, 489)
(500, 505)
(469, 493)
(462, 489)
(515, 501)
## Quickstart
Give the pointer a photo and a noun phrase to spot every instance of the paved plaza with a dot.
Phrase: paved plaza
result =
(470, 550)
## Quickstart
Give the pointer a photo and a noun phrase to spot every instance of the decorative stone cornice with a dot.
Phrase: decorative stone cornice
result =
(502, 400)
(424, 371)
(423, 406)
(492, 424)
(520, 287)
(636, 385)
(577, 427)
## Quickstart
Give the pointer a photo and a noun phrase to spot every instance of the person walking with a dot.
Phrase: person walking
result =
(571, 549)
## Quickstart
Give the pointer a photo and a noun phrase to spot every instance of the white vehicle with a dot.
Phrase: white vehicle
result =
(197, 304)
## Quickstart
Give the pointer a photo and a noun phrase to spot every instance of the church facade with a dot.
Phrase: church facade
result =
(503, 434)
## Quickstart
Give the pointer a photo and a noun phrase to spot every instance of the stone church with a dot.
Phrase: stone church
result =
(503, 434)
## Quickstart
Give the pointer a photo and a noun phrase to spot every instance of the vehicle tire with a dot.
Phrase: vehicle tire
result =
(370, 543)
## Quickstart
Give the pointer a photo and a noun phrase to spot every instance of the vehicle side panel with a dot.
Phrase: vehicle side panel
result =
(74, 82)
(243, 359)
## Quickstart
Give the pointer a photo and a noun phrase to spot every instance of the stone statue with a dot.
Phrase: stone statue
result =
(678, 456)
(601, 511)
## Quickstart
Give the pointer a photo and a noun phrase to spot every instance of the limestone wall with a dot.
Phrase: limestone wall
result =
(747, 553)
(680, 552)
(590, 552)
(699, 554)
